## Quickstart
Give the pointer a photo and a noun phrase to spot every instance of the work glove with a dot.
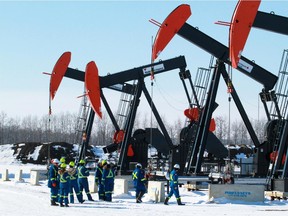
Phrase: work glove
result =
(54, 184)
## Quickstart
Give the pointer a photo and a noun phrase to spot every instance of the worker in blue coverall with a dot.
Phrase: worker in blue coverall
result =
(98, 179)
(174, 188)
(64, 179)
(72, 171)
(140, 182)
(83, 174)
(53, 183)
(108, 181)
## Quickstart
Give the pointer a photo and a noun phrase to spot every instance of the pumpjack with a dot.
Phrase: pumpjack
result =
(118, 82)
(273, 153)
(175, 23)
(132, 146)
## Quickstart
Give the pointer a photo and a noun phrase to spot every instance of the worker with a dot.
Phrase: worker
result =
(108, 181)
(64, 179)
(83, 174)
(139, 181)
(72, 171)
(98, 179)
(174, 188)
(53, 183)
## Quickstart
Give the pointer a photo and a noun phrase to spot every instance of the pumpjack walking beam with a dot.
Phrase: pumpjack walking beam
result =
(132, 74)
(271, 22)
(221, 52)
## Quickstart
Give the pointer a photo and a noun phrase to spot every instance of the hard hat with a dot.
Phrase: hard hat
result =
(104, 162)
(63, 165)
(176, 166)
(138, 165)
(82, 161)
(55, 161)
(62, 160)
(71, 164)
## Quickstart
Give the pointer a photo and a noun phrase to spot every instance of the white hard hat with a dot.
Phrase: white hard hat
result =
(139, 165)
(176, 166)
(55, 161)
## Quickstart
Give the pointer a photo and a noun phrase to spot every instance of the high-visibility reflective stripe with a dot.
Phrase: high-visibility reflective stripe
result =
(110, 174)
(100, 170)
(134, 175)
(80, 175)
(55, 173)
(62, 180)
(172, 180)
(144, 179)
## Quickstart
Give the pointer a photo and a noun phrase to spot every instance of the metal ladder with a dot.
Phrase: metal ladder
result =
(81, 123)
(202, 80)
(278, 112)
(125, 106)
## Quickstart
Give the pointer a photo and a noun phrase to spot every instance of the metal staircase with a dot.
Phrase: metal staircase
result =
(81, 123)
(202, 80)
(278, 115)
(124, 106)
(81, 119)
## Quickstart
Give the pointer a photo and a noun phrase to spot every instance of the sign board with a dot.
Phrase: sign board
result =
(243, 192)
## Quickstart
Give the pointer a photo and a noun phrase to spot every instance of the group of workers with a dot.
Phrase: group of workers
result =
(63, 180)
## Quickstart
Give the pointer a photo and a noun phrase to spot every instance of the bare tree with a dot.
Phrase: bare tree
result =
(235, 132)
(3, 119)
(259, 126)
(221, 128)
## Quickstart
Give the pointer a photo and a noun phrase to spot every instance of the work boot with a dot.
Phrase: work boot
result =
(66, 205)
(61, 205)
(53, 203)
(179, 202)
(166, 201)
(139, 198)
(80, 199)
(90, 197)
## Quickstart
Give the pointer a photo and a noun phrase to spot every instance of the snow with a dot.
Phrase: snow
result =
(22, 198)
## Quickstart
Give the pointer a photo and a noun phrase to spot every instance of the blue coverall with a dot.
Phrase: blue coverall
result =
(83, 174)
(98, 181)
(173, 183)
(53, 183)
(139, 182)
(108, 182)
(64, 179)
(74, 185)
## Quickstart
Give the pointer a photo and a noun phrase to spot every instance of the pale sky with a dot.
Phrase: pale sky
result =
(117, 35)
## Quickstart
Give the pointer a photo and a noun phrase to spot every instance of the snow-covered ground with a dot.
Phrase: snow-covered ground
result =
(22, 198)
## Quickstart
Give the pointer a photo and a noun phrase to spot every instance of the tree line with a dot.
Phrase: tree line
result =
(64, 127)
